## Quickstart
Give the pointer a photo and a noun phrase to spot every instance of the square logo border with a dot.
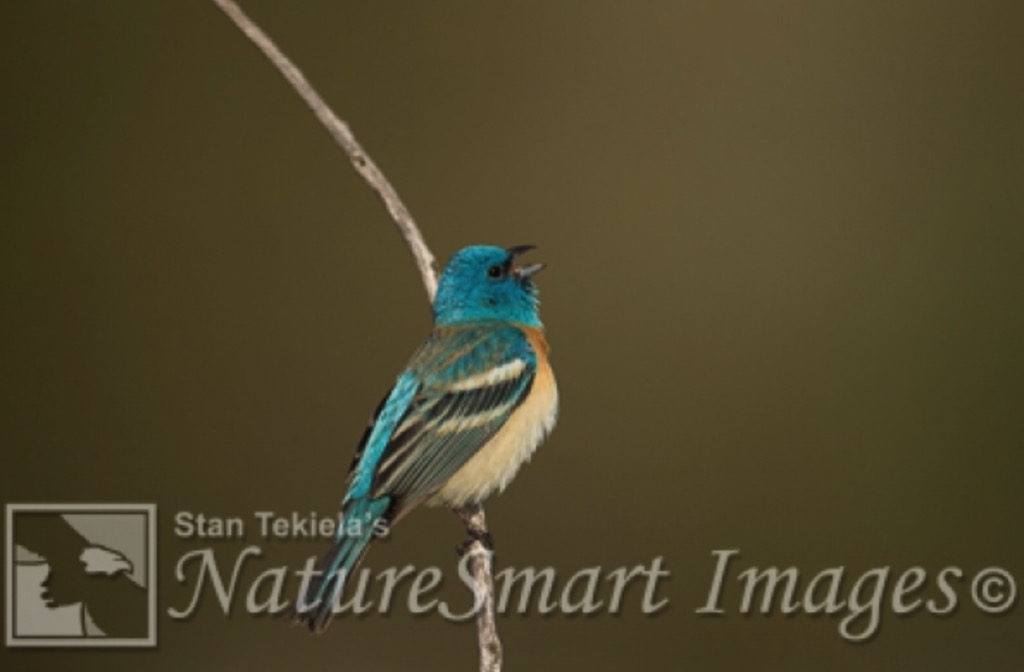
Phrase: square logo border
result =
(149, 510)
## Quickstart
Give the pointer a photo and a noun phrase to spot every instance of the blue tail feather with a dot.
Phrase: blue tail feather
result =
(360, 526)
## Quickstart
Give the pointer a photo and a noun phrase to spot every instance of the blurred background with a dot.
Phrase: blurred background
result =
(784, 297)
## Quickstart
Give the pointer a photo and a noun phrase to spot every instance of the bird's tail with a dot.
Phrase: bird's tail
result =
(360, 525)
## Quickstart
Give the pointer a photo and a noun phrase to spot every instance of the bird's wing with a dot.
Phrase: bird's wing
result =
(458, 390)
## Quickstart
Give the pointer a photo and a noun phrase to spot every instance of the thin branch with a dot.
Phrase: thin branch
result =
(473, 516)
(480, 554)
(342, 135)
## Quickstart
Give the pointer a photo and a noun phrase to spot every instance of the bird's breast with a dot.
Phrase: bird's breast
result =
(496, 463)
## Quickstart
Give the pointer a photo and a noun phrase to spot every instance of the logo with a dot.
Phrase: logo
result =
(81, 575)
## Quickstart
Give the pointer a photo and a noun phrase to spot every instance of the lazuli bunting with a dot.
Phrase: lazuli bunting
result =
(472, 405)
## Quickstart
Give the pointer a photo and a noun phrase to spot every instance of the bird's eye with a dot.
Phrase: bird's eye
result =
(495, 271)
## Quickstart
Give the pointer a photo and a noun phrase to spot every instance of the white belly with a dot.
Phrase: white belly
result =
(494, 466)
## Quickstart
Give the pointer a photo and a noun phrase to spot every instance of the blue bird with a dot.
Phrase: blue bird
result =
(472, 405)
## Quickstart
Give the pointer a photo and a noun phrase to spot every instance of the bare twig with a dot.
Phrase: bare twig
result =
(473, 515)
(342, 135)
(479, 556)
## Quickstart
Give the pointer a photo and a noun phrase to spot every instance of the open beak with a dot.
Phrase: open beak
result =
(523, 272)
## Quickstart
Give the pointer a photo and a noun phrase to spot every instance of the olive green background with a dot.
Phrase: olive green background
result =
(784, 294)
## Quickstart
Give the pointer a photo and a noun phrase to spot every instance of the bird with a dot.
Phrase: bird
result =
(470, 408)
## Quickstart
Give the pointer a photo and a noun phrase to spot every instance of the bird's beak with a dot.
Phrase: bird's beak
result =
(517, 250)
(524, 271)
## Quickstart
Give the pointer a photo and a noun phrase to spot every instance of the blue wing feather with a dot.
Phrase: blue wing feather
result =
(439, 413)
(446, 423)
(392, 410)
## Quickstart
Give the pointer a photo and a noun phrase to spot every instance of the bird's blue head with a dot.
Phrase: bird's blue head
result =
(481, 283)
